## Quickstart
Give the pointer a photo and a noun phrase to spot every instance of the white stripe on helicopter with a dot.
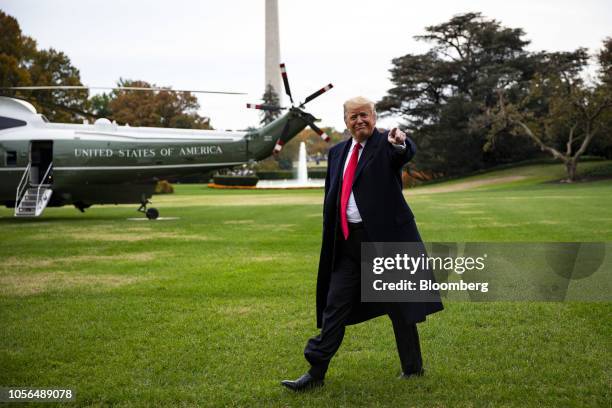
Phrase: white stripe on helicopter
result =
(159, 166)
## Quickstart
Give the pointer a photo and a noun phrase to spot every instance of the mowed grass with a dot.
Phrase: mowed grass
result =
(214, 308)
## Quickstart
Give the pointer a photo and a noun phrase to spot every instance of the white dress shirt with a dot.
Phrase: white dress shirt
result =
(352, 212)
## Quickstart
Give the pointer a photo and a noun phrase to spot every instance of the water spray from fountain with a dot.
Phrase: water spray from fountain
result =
(302, 180)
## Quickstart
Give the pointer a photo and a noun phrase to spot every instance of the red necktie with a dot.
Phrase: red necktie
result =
(347, 186)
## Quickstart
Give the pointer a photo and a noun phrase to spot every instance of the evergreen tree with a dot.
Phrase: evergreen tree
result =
(100, 105)
(270, 98)
(437, 93)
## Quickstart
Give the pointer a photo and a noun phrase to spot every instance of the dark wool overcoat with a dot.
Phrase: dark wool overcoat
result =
(377, 188)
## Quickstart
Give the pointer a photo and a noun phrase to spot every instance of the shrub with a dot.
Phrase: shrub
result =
(163, 187)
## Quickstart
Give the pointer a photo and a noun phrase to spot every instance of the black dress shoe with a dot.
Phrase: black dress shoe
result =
(305, 382)
(405, 376)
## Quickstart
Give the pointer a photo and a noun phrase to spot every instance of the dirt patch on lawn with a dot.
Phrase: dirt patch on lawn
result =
(31, 284)
(263, 258)
(136, 257)
(15, 262)
(122, 236)
(11, 263)
(282, 226)
(466, 185)
(458, 205)
(236, 310)
(244, 308)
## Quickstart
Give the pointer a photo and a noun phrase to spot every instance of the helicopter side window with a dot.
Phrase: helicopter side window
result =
(11, 158)
(6, 123)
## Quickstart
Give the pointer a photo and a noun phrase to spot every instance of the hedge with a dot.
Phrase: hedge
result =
(289, 174)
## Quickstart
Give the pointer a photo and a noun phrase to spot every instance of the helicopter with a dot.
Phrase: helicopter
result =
(45, 164)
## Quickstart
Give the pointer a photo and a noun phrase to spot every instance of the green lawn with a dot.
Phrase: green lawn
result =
(214, 308)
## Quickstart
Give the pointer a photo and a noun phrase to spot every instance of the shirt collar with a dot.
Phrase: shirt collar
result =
(354, 142)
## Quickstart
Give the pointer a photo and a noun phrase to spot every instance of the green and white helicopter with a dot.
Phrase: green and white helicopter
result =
(46, 164)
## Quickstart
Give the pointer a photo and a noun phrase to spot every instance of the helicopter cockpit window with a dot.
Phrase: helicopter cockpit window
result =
(6, 123)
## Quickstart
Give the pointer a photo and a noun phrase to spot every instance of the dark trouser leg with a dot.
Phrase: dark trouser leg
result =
(343, 293)
(408, 345)
(320, 349)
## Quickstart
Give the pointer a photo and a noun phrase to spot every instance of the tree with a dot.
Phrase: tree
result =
(270, 98)
(154, 108)
(437, 93)
(560, 113)
(605, 62)
(16, 53)
(602, 144)
(22, 64)
(11, 73)
(100, 105)
(51, 67)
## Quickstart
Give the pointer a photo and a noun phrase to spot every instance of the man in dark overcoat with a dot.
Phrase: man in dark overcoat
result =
(363, 203)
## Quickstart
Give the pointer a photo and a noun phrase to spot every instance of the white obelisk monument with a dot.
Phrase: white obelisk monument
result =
(273, 75)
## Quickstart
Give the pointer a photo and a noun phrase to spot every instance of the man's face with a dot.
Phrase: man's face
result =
(360, 121)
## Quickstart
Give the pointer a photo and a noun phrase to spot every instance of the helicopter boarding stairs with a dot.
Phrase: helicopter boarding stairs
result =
(32, 198)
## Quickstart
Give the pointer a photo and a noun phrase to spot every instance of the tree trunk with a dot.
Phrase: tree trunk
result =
(570, 167)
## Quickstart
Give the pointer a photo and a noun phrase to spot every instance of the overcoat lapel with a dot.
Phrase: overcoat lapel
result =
(368, 151)
(339, 164)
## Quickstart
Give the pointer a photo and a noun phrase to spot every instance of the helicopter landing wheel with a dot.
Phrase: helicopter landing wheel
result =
(152, 213)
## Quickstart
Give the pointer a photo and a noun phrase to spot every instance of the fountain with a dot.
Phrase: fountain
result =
(302, 180)
(302, 176)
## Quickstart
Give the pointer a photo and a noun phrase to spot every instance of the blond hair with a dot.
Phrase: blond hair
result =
(359, 101)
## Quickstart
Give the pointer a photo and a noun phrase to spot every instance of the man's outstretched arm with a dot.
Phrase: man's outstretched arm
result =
(403, 149)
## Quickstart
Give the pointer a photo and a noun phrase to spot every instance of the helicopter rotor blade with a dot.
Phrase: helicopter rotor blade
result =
(78, 111)
(314, 127)
(317, 94)
(120, 88)
(278, 146)
(286, 81)
(281, 141)
(264, 107)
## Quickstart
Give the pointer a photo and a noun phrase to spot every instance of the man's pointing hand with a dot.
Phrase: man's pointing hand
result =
(397, 137)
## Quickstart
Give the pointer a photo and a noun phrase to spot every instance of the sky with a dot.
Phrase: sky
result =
(219, 45)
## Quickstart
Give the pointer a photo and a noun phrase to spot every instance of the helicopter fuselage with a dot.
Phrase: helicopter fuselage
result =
(103, 163)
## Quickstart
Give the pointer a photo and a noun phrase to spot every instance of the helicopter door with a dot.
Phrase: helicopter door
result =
(41, 157)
